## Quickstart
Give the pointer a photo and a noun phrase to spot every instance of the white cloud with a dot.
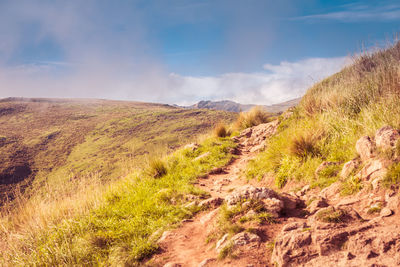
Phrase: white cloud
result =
(277, 83)
(359, 12)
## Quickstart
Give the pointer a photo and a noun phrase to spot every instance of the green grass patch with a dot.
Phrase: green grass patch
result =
(134, 209)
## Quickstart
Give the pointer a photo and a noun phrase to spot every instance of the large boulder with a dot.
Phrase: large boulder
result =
(365, 148)
(386, 138)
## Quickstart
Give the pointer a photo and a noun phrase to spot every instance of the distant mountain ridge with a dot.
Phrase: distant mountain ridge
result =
(232, 106)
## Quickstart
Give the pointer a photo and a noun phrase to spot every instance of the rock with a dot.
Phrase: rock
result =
(255, 136)
(393, 203)
(251, 213)
(211, 202)
(324, 165)
(273, 206)
(386, 212)
(349, 167)
(347, 201)
(257, 147)
(192, 146)
(202, 156)
(221, 242)
(172, 264)
(206, 262)
(165, 236)
(293, 226)
(375, 183)
(365, 148)
(291, 202)
(304, 190)
(244, 238)
(317, 204)
(246, 132)
(249, 192)
(386, 137)
(216, 171)
(290, 246)
(328, 242)
(330, 191)
(374, 168)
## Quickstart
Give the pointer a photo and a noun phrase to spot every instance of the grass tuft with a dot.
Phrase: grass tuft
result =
(157, 168)
(253, 117)
(221, 131)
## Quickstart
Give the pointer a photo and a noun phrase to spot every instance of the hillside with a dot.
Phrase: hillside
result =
(316, 186)
(53, 141)
(232, 106)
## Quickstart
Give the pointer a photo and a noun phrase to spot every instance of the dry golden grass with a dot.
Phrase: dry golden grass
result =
(253, 117)
(221, 130)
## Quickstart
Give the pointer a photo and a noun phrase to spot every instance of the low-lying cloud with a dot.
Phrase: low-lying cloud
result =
(273, 84)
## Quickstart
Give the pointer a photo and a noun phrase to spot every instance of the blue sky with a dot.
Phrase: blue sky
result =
(183, 51)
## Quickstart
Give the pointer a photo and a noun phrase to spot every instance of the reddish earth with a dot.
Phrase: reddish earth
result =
(357, 230)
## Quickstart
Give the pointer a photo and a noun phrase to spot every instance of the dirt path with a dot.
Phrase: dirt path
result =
(187, 245)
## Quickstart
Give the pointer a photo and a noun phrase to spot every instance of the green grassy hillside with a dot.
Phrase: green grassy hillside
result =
(331, 117)
(75, 181)
(51, 142)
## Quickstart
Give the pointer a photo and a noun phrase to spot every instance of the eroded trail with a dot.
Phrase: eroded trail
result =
(274, 228)
(187, 245)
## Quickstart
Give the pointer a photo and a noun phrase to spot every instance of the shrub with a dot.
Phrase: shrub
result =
(393, 176)
(351, 186)
(157, 168)
(330, 215)
(220, 130)
(253, 117)
(303, 146)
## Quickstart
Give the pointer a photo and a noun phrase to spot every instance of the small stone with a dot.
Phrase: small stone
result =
(216, 171)
(244, 238)
(164, 236)
(211, 202)
(205, 262)
(251, 213)
(294, 226)
(318, 204)
(349, 167)
(172, 264)
(220, 242)
(204, 155)
(386, 212)
(305, 189)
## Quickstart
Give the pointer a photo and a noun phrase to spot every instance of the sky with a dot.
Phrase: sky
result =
(184, 51)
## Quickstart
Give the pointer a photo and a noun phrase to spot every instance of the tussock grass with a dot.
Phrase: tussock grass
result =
(221, 130)
(156, 168)
(331, 117)
(392, 177)
(253, 117)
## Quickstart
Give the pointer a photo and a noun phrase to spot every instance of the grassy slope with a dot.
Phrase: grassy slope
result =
(120, 231)
(57, 141)
(331, 117)
(74, 215)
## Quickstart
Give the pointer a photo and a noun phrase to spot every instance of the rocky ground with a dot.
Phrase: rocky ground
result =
(245, 223)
